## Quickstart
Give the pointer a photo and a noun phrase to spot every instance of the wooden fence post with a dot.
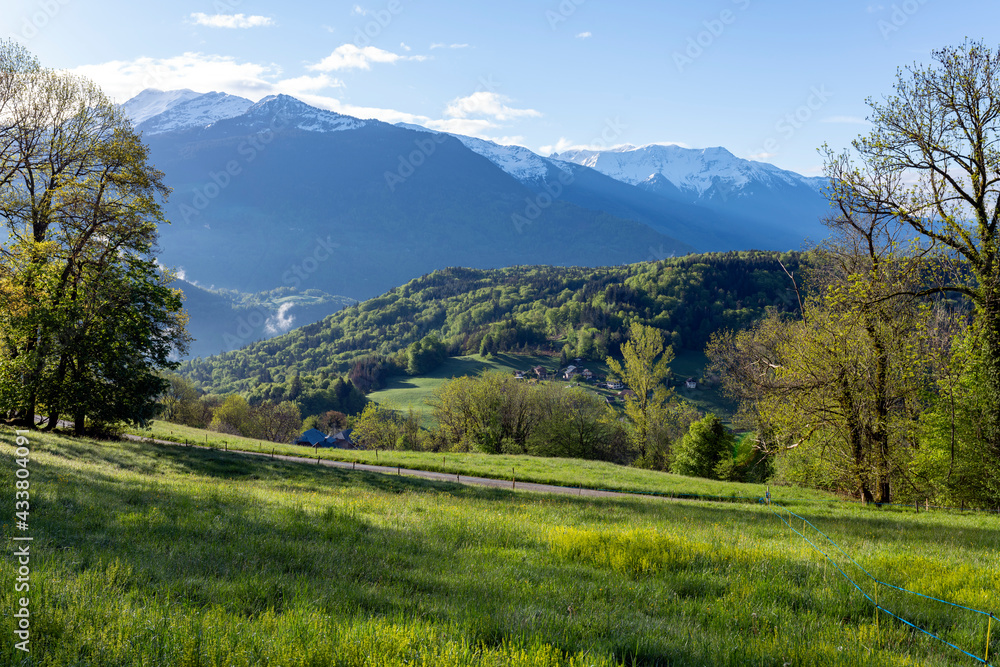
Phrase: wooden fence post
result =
(989, 626)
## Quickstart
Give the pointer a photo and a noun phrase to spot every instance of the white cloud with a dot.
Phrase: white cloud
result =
(281, 321)
(442, 45)
(231, 20)
(584, 35)
(308, 84)
(516, 140)
(403, 46)
(358, 10)
(761, 157)
(351, 56)
(124, 79)
(484, 103)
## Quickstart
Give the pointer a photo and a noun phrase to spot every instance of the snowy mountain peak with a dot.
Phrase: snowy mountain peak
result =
(156, 111)
(287, 111)
(152, 102)
(693, 171)
(199, 111)
(518, 161)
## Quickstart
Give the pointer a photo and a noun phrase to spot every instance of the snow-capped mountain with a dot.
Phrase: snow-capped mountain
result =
(156, 111)
(694, 172)
(199, 111)
(518, 161)
(521, 163)
(778, 201)
(285, 112)
(288, 194)
(152, 102)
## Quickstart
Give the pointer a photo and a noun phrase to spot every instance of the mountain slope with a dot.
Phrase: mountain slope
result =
(537, 309)
(286, 194)
(785, 202)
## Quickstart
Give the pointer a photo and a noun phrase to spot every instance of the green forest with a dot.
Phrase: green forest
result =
(569, 312)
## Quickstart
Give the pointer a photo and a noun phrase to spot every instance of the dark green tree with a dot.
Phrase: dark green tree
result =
(86, 316)
(707, 444)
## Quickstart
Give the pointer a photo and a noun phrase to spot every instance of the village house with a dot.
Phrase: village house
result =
(316, 438)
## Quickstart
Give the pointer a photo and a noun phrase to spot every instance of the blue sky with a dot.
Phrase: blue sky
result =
(767, 80)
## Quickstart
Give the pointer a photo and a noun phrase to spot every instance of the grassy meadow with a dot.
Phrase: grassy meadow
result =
(404, 392)
(161, 555)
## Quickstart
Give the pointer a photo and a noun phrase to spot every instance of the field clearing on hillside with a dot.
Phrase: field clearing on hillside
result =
(162, 555)
(405, 392)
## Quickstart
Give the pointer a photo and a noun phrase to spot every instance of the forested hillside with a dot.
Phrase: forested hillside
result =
(581, 312)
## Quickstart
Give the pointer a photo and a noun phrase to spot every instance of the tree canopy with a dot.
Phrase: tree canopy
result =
(87, 317)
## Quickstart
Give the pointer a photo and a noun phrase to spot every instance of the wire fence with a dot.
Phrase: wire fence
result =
(873, 599)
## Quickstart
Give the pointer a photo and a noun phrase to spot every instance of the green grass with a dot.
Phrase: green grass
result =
(564, 472)
(406, 392)
(162, 555)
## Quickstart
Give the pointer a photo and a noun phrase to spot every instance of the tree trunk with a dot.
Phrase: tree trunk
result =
(79, 420)
(53, 420)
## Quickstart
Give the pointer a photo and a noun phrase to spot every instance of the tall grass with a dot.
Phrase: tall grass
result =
(159, 555)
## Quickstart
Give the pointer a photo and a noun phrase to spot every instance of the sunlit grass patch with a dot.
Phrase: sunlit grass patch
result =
(164, 555)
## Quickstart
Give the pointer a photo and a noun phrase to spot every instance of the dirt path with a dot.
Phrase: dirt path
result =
(426, 474)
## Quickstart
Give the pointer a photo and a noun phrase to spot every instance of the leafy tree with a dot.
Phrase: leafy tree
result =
(706, 448)
(332, 420)
(279, 422)
(179, 401)
(644, 368)
(931, 162)
(86, 316)
(379, 427)
(492, 413)
(424, 355)
(233, 416)
(574, 422)
(837, 391)
(951, 465)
